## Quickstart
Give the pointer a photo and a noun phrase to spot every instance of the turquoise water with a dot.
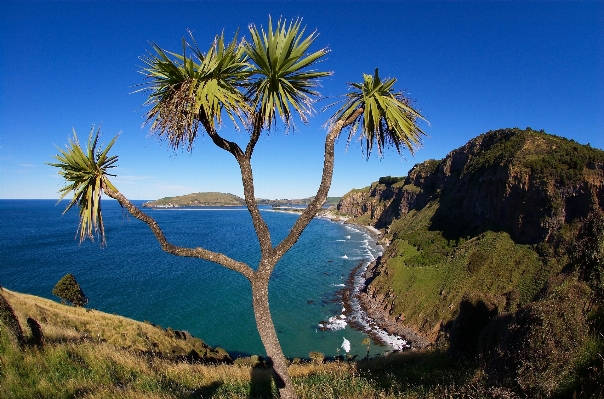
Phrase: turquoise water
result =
(134, 278)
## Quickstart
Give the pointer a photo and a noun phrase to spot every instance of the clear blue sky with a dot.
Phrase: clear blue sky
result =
(471, 66)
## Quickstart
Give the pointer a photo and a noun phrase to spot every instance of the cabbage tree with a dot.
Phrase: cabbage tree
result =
(257, 83)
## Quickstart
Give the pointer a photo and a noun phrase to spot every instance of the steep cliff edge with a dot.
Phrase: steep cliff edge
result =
(492, 222)
(525, 182)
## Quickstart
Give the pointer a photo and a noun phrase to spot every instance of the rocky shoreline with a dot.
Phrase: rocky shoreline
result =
(356, 299)
(363, 311)
(376, 312)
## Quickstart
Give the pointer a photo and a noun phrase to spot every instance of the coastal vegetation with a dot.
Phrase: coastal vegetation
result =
(68, 289)
(91, 354)
(255, 82)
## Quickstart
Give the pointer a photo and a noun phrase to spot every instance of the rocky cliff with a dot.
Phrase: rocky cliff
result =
(522, 181)
(491, 222)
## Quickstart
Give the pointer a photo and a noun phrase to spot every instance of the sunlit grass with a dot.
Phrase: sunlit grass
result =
(90, 354)
(73, 364)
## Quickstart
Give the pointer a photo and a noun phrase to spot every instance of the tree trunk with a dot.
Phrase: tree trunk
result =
(268, 335)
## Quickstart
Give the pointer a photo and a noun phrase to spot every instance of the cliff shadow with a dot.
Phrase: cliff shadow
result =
(455, 224)
(417, 371)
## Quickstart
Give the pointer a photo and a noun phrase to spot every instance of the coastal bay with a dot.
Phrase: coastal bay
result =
(134, 278)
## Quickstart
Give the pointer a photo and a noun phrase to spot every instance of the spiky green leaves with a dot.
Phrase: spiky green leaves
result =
(188, 90)
(257, 81)
(281, 82)
(387, 118)
(86, 173)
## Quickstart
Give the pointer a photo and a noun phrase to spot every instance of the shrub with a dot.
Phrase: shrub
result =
(10, 321)
(390, 180)
(69, 290)
(587, 253)
(316, 357)
(536, 349)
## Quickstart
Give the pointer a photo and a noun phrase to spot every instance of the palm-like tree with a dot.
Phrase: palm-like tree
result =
(387, 116)
(257, 82)
(186, 91)
(281, 82)
(87, 173)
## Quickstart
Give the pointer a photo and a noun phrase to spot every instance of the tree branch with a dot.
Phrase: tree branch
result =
(199, 253)
(313, 208)
(256, 129)
(247, 179)
(226, 145)
(262, 231)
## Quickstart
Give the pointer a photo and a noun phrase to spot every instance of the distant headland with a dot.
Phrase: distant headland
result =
(225, 199)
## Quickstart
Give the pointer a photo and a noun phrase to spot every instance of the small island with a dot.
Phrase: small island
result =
(197, 199)
(226, 199)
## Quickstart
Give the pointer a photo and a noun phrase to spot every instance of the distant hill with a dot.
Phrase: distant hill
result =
(197, 199)
(222, 199)
(303, 201)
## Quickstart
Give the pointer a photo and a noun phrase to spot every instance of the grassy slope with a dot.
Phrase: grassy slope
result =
(73, 363)
(426, 275)
(548, 328)
(62, 323)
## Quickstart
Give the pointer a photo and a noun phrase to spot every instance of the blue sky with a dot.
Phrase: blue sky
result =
(471, 66)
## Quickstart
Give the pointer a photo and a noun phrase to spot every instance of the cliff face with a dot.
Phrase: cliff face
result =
(525, 182)
(378, 203)
(491, 222)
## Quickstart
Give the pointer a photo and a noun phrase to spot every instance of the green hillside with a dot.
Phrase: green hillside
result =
(198, 199)
(497, 254)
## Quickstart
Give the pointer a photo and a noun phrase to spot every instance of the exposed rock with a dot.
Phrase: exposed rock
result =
(497, 181)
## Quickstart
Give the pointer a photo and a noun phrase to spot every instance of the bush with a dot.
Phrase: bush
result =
(69, 290)
(587, 253)
(317, 357)
(390, 180)
(536, 349)
(11, 323)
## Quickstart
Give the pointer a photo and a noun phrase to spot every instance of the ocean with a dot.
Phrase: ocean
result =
(133, 277)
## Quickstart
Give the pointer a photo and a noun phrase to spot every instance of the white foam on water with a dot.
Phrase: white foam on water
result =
(362, 319)
(334, 323)
(369, 252)
(357, 314)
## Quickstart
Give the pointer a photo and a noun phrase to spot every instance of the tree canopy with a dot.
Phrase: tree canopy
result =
(69, 290)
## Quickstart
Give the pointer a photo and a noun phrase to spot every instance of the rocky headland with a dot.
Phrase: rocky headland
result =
(488, 247)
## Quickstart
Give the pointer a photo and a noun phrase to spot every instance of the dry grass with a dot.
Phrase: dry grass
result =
(90, 354)
(61, 323)
(74, 364)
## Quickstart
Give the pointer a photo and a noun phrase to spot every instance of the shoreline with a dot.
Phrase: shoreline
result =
(360, 310)
(364, 313)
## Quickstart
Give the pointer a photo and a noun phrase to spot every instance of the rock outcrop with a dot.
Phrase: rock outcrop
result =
(522, 181)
